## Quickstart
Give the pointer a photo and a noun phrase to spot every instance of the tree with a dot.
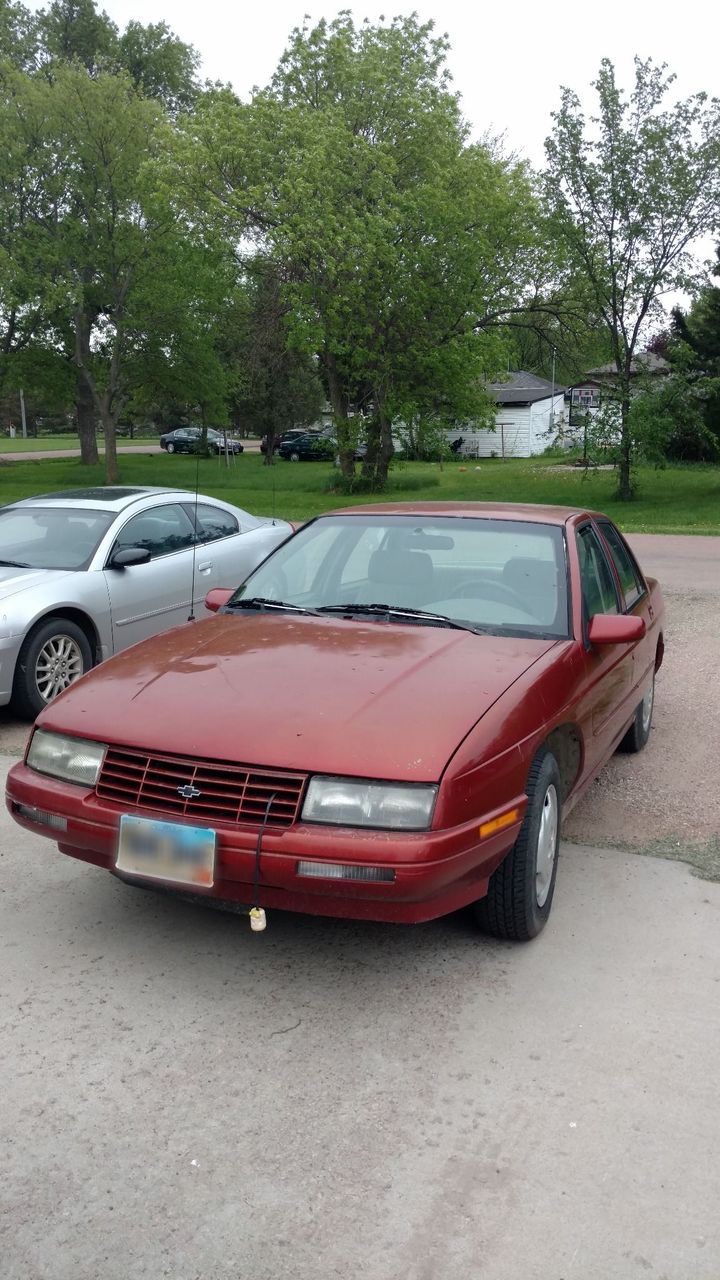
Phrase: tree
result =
(399, 244)
(134, 280)
(695, 343)
(630, 194)
(277, 386)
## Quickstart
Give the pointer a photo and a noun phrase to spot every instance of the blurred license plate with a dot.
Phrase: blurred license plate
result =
(166, 851)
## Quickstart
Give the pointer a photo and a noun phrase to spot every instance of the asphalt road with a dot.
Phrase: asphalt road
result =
(250, 446)
(184, 1098)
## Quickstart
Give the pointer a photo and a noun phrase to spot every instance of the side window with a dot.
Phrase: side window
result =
(162, 530)
(214, 523)
(630, 581)
(598, 587)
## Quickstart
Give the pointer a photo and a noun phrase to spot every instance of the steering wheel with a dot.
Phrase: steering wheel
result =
(483, 589)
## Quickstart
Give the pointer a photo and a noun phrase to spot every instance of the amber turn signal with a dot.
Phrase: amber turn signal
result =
(499, 824)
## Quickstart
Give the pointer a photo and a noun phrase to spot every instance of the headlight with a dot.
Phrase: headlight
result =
(392, 805)
(72, 759)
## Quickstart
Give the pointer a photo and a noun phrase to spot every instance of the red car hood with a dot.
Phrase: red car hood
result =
(317, 695)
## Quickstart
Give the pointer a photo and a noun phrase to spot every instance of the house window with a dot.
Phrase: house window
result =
(586, 397)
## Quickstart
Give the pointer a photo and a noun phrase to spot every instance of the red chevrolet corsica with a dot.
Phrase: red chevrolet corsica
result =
(386, 721)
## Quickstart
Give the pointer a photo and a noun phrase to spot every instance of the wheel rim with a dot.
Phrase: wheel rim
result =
(171, 447)
(59, 663)
(546, 846)
(647, 708)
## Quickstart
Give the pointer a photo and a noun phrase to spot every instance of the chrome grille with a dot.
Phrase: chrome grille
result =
(228, 792)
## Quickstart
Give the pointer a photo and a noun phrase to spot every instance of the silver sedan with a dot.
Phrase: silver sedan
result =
(84, 574)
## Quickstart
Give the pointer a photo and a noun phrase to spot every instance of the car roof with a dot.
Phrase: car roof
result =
(112, 498)
(533, 512)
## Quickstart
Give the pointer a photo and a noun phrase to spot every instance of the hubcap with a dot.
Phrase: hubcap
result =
(59, 663)
(546, 846)
(647, 708)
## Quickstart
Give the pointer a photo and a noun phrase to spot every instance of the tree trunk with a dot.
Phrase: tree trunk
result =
(112, 474)
(84, 403)
(339, 405)
(625, 485)
(380, 446)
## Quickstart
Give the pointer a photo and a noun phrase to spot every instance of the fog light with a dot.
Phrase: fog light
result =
(40, 816)
(336, 871)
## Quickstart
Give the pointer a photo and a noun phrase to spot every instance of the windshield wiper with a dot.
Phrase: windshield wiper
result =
(262, 602)
(396, 611)
(15, 564)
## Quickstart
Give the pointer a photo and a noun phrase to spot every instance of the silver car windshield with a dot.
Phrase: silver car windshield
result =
(51, 537)
(502, 576)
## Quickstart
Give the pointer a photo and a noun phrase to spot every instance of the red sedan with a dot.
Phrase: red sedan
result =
(386, 721)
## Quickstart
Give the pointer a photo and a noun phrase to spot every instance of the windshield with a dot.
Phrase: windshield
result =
(51, 537)
(502, 576)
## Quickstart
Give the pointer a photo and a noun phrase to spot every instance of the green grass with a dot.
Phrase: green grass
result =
(46, 443)
(678, 499)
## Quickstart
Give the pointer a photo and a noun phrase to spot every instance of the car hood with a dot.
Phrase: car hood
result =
(285, 691)
(14, 580)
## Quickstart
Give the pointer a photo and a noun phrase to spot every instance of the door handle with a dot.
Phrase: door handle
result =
(205, 567)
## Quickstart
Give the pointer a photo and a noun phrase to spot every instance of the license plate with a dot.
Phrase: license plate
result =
(167, 851)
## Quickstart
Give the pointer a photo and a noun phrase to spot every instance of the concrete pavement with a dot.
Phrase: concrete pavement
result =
(184, 1098)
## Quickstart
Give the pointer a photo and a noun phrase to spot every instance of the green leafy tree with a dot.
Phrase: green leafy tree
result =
(399, 244)
(695, 344)
(631, 190)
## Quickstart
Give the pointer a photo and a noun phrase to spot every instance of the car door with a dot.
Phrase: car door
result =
(607, 683)
(148, 598)
(226, 551)
(636, 601)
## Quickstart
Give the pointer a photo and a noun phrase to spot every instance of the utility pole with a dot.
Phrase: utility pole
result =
(552, 397)
(22, 414)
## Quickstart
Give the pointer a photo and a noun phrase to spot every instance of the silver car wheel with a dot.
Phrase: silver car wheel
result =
(546, 845)
(59, 663)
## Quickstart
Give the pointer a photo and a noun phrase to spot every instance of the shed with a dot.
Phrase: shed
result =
(529, 408)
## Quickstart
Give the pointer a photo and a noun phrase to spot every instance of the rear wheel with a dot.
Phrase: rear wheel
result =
(521, 890)
(52, 657)
(639, 732)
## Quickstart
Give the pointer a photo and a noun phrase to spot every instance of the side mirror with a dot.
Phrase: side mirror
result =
(615, 628)
(217, 598)
(128, 556)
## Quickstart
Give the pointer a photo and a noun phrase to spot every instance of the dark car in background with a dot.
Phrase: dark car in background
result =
(293, 434)
(311, 446)
(187, 440)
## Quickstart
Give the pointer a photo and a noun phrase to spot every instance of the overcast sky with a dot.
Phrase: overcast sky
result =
(507, 59)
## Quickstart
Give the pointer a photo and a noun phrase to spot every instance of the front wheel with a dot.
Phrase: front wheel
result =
(170, 447)
(521, 890)
(52, 657)
(294, 456)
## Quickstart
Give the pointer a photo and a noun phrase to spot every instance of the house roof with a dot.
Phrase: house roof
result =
(645, 362)
(523, 388)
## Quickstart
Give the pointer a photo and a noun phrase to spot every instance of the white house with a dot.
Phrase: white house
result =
(528, 414)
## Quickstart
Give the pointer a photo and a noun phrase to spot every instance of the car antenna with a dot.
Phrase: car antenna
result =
(191, 615)
(272, 478)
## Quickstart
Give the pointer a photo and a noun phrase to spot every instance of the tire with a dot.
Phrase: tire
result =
(170, 446)
(52, 657)
(521, 890)
(294, 456)
(639, 732)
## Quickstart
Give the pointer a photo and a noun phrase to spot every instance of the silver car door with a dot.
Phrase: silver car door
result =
(231, 549)
(148, 598)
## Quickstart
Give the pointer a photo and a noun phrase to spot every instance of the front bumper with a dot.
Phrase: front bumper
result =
(435, 871)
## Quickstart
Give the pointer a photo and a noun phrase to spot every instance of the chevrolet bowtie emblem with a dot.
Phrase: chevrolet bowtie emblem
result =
(189, 792)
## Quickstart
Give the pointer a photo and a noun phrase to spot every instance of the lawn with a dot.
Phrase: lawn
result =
(44, 443)
(679, 499)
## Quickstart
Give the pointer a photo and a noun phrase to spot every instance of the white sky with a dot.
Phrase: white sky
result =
(507, 59)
